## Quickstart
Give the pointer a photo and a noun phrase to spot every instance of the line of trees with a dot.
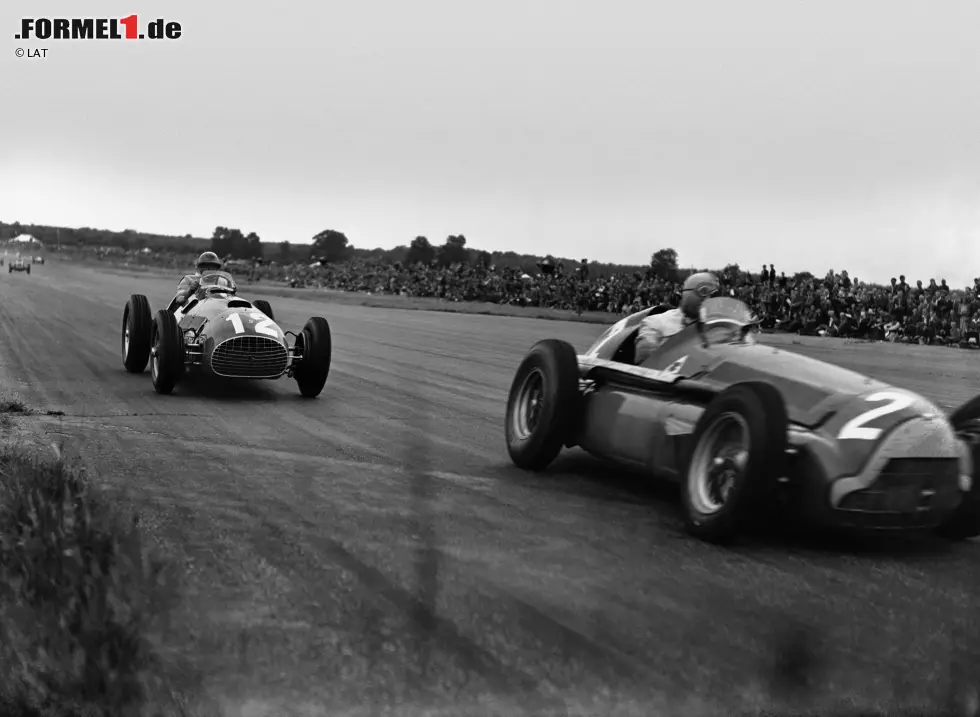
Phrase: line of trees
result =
(331, 246)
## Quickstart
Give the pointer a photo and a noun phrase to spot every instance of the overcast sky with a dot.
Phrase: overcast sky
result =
(813, 135)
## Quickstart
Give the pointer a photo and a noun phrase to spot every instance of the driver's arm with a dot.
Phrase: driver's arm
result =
(188, 285)
(648, 338)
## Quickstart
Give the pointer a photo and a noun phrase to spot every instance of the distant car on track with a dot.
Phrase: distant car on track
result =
(19, 264)
(219, 334)
(748, 430)
(38, 260)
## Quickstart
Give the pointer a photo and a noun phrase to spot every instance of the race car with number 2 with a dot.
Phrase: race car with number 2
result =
(747, 429)
(219, 334)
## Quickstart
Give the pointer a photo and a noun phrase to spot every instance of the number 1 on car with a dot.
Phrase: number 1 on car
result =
(263, 325)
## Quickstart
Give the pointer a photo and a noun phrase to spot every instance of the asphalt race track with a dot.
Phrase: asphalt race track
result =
(339, 548)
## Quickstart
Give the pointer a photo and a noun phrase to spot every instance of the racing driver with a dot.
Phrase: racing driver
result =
(654, 330)
(208, 261)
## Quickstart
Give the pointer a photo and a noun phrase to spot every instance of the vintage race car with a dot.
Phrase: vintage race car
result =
(750, 431)
(19, 264)
(221, 334)
(38, 260)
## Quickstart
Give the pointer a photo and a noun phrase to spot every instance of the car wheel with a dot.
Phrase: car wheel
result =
(28, 270)
(543, 405)
(316, 345)
(965, 520)
(263, 306)
(737, 455)
(167, 354)
(137, 333)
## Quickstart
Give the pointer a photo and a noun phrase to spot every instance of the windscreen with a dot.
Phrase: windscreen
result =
(218, 278)
(723, 320)
(723, 308)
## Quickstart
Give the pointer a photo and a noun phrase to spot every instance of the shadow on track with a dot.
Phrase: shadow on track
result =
(580, 474)
(226, 390)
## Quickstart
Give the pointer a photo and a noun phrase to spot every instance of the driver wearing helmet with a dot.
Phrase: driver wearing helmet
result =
(654, 330)
(208, 261)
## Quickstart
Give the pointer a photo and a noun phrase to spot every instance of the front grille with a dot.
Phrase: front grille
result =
(908, 493)
(249, 357)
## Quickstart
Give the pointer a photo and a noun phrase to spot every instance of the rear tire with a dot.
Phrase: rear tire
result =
(314, 367)
(28, 269)
(543, 406)
(716, 514)
(965, 520)
(167, 354)
(263, 306)
(137, 326)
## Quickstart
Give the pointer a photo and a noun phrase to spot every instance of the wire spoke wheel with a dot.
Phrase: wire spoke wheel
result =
(155, 356)
(529, 405)
(719, 462)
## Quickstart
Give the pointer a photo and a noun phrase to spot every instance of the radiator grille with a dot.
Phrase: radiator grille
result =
(909, 492)
(249, 357)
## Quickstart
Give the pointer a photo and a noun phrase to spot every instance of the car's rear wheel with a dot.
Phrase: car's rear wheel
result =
(543, 406)
(167, 354)
(28, 268)
(137, 333)
(316, 345)
(264, 306)
(965, 520)
(738, 449)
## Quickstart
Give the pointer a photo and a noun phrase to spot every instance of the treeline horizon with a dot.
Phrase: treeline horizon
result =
(332, 246)
(329, 245)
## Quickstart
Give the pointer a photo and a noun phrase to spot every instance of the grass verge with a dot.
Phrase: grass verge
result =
(84, 602)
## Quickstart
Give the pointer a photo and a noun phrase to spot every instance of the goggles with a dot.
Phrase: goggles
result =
(705, 291)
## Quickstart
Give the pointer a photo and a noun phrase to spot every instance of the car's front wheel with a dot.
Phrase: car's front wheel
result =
(316, 345)
(167, 354)
(137, 333)
(264, 306)
(543, 406)
(737, 455)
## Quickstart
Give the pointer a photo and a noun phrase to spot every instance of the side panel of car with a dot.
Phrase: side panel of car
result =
(647, 429)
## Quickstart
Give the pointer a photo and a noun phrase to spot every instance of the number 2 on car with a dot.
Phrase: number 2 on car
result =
(263, 325)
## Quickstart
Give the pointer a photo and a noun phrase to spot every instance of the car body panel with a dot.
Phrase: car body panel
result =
(844, 427)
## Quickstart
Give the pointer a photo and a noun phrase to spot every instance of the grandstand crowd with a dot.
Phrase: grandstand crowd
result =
(832, 305)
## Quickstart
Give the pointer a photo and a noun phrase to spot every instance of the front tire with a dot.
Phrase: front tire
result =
(167, 355)
(316, 344)
(137, 333)
(543, 406)
(264, 306)
(738, 453)
(965, 520)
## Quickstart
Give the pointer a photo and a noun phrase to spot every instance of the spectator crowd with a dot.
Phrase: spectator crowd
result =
(833, 305)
